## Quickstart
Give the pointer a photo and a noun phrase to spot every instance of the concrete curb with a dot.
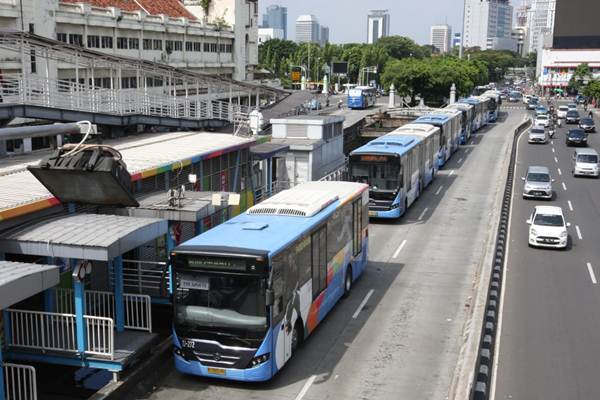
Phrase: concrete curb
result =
(475, 362)
(123, 388)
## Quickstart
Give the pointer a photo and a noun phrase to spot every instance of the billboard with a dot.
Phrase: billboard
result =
(576, 24)
(296, 74)
(340, 67)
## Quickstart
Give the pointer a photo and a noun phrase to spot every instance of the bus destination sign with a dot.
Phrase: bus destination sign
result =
(217, 263)
(374, 158)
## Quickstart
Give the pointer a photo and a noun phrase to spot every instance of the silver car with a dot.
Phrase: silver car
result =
(537, 134)
(538, 183)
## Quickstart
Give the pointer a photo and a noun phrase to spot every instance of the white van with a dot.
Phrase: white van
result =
(586, 162)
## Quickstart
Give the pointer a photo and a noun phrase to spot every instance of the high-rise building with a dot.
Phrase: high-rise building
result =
(488, 24)
(308, 29)
(276, 18)
(324, 35)
(378, 25)
(440, 37)
(541, 22)
(456, 39)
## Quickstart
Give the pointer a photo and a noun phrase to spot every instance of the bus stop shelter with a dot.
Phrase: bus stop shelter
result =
(19, 281)
(103, 329)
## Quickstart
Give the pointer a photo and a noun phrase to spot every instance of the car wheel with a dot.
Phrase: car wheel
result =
(348, 281)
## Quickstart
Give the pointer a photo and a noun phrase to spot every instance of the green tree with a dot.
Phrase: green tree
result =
(592, 91)
(400, 47)
(410, 76)
(582, 73)
(532, 59)
(275, 55)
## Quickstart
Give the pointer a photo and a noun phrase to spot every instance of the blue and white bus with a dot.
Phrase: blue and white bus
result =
(446, 125)
(430, 137)
(456, 126)
(361, 97)
(480, 112)
(486, 104)
(248, 292)
(391, 165)
(494, 104)
(468, 116)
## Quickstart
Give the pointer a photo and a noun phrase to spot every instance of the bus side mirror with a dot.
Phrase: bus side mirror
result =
(270, 297)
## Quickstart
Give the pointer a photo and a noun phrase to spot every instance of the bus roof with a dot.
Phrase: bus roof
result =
(433, 119)
(278, 221)
(470, 100)
(389, 144)
(461, 106)
(422, 130)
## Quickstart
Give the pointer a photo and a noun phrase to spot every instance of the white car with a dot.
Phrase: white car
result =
(562, 112)
(542, 120)
(547, 228)
(537, 134)
(572, 106)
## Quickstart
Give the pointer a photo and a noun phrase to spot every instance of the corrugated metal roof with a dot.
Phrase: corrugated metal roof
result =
(83, 236)
(19, 281)
(143, 155)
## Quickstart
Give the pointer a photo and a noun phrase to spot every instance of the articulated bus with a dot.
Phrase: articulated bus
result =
(480, 113)
(361, 97)
(248, 292)
(486, 104)
(447, 134)
(391, 165)
(456, 126)
(494, 105)
(468, 115)
(430, 137)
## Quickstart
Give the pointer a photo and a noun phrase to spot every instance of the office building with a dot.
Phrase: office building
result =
(488, 24)
(520, 36)
(541, 22)
(440, 37)
(166, 31)
(276, 18)
(266, 34)
(324, 35)
(378, 25)
(308, 29)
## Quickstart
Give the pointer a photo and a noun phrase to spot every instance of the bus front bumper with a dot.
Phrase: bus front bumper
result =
(260, 373)
(395, 213)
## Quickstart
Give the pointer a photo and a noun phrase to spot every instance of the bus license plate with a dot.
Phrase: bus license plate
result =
(216, 371)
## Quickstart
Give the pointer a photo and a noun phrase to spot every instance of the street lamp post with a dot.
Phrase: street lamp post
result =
(462, 34)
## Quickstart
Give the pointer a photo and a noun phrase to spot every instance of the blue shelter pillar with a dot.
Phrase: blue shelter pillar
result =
(78, 289)
(269, 176)
(2, 394)
(119, 298)
(170, 247)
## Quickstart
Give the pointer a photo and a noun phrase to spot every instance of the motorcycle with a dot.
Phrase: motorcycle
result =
(551, 132)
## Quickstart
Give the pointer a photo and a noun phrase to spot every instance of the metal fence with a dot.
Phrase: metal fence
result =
(30, 89)
(20, 382)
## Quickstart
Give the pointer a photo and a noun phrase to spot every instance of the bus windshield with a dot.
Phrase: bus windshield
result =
(379, 176)
(222, 301)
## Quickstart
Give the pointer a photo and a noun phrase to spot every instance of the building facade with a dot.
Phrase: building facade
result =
(308, 29)
(378, 25)
(488, 23)
(276, 18)
(266, 34)
(541, 22)
(440, 37)
(224, 41)
(324, 35)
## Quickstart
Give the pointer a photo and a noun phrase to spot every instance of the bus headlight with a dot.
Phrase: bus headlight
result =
(259, 360)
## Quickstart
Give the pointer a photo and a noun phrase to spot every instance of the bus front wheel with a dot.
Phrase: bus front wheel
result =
(348, 281)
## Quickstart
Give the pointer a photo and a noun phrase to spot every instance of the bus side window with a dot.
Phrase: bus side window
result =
(278, 285)
(357, 227)
(319, 261)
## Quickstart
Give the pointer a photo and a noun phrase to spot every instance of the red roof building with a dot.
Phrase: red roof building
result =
(172, 8)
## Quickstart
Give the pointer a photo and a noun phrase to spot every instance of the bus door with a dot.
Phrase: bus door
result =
(413, 173)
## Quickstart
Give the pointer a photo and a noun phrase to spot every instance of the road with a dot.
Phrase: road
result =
(405, 342)
(548, 346)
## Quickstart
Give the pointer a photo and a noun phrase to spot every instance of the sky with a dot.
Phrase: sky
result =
(347, 19)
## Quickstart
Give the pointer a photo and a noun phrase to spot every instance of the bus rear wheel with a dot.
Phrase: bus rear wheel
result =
(348, 281)
(297, 336)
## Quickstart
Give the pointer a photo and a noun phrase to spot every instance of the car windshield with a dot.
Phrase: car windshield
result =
(542, 117)
(587, 121)
(548, 220)
(572, 114)
(576, 133)
(538, 131)
(538, 177)
(563, 108)
(225, 301)
(587, 158)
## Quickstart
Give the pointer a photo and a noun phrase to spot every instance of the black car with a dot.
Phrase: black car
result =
(587, 124)
(576, 137)
(572, 117)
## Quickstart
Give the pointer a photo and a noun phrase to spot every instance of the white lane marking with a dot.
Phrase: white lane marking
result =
(423, 214)
(305, 388)
(578, 232)
(552, 142)
(564, 186)
(439, 190)
(592, 274)
(460, 160)
(362, 304)
(553, 150)
(451, 173)
(399, 248)
(555, 159)
(570, 205)
(559, 172)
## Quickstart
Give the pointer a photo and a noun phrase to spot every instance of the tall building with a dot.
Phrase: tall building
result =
(308, 29)
(440, 37)
(324, 35)
(456, 39)
(276, 18)
(541, 22)
(266, 34)
(378, 25)
(488, 24)
(171, 32)
(520, 31)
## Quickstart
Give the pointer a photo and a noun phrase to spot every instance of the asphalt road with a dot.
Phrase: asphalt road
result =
(405, 342)
(549, 346)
